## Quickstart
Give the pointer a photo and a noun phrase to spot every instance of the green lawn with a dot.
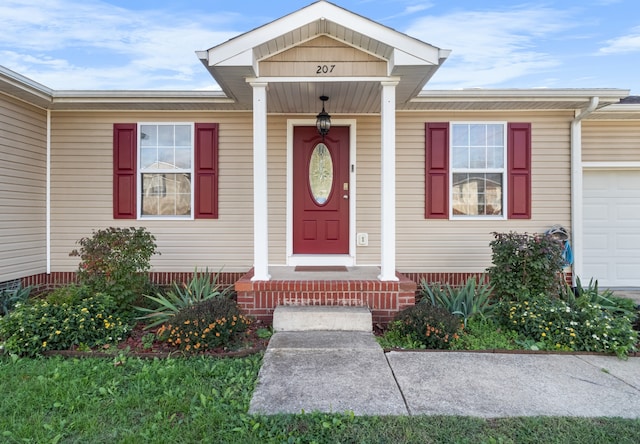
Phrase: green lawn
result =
(128, 400)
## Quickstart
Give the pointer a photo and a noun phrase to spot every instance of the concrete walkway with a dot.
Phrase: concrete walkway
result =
(348, 371)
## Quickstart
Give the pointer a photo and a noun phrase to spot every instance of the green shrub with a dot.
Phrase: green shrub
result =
(554, 325)
(466, 301)
(485, 334)
(68, 294)
(10, 297)
(39, 326)
(115, 261)
(525, 265)
(432, 326)
(209, 324)
(201, 287)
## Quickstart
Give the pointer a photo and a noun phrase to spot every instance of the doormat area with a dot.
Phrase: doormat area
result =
(320, 268)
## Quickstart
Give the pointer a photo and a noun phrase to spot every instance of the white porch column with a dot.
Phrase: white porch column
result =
(388, 179)
(260, 214)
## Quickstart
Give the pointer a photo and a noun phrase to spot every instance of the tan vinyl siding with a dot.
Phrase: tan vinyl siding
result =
(323, 56)
(82, 187)
(81, 169)
(22, 190)
(277, 189)
(368, 161)
(463, 245)
(610, 141)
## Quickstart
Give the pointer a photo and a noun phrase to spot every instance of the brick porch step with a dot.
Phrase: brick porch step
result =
(321, 317)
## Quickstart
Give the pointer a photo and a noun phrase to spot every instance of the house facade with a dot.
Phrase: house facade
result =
(406, 184)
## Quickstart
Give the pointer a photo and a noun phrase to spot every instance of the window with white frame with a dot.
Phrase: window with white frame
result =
(478, 158)
(165, 172)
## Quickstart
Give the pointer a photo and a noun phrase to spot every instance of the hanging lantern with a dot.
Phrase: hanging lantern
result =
(323, 120)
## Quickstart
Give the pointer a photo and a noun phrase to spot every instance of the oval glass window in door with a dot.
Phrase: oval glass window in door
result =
(320, 173)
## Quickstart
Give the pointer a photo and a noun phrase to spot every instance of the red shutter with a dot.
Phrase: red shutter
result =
(206, 171)
(519, 170)
(124, 170)
(437, 170)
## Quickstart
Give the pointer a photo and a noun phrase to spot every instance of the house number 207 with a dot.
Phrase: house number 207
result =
(324, 69)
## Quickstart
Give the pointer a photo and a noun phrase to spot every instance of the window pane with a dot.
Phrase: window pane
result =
(165, 135)
(495, 135)
(320, 173)
(148, 157)
(460, 135)
(166, 194)
(148, 135)
(183, 158)
(165, 158)
(478, 157)
(495, 157)
(478, 135)
(183, 135)
(460, 157)
(477, 194)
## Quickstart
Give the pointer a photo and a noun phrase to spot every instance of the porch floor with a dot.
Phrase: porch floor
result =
(358, 273)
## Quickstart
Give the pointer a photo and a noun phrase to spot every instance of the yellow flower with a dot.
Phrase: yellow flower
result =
(58, 332)
(543, 334)
(44, 344)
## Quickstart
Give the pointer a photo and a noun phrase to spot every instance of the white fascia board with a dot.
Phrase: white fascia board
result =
(327, 11)
(245, 58)
(401, 58)
(474, 94)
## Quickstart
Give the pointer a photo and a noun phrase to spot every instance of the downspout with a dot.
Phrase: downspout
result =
(48, 194)
(577, 213)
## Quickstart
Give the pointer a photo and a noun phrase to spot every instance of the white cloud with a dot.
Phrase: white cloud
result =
(490, 48)
(410, 10)
(75, 44)
(623, 45)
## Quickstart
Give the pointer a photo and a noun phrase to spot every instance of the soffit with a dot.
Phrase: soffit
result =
(627, 110)
(24, 89)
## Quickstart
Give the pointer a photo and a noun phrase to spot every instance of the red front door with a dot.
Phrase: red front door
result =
(320, 191)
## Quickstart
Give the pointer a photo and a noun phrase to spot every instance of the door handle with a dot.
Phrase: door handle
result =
(345, 196)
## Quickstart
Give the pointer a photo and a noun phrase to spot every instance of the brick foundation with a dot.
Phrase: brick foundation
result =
(43, 281)
(384, 299)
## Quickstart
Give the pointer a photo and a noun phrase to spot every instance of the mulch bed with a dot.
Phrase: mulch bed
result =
(248, 344)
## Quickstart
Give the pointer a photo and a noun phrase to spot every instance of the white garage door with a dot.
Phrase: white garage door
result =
(612, 228)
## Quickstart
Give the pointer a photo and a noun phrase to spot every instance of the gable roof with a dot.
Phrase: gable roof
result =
(409, 60)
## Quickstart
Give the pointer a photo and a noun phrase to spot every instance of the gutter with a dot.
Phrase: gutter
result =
(577, 210)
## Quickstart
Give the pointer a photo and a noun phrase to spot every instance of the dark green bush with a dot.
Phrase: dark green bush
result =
(39, 326)
(432, 326)
(525, 265)
(115, 261)
(209, 324)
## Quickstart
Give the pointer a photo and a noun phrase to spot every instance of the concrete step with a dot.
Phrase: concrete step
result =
(321, 317)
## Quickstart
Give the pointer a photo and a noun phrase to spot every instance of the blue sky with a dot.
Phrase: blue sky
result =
(151, 44)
